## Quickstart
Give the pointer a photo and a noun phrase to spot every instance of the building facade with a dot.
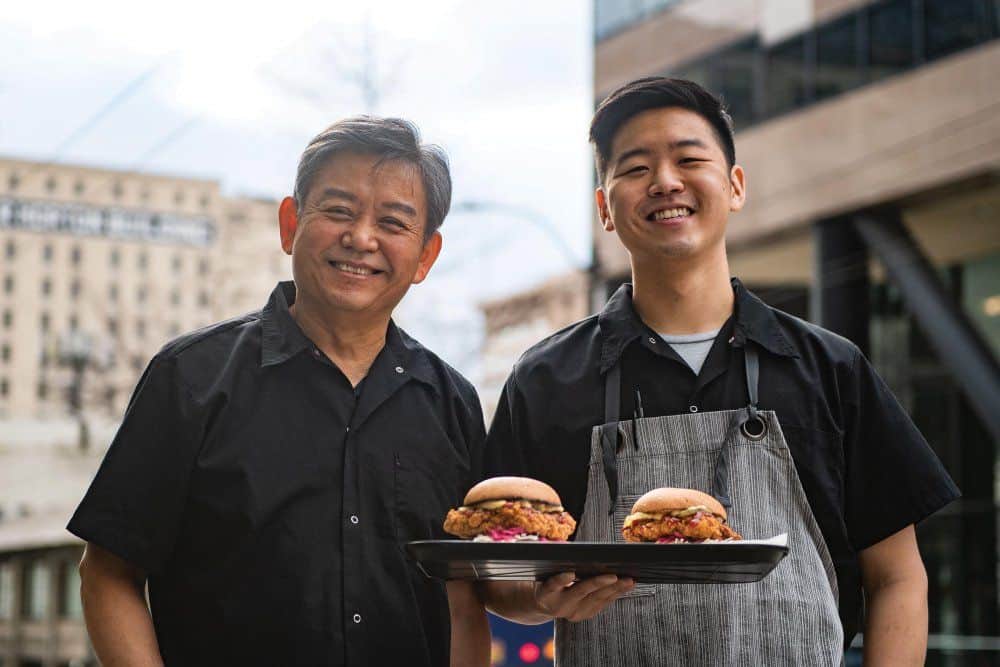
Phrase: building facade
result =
(870, 134)
(98, 269)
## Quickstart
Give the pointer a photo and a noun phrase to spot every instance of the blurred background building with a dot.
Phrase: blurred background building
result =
(98, 269)
(870, 133)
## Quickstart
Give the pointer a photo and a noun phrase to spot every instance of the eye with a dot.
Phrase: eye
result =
(393, 222)
(338, 212)
(636, 169)
(691, 160)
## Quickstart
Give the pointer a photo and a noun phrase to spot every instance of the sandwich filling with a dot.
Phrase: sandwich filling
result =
(510, 520)
(691, 524)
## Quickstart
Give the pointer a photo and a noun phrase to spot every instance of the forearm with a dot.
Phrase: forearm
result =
(896, 624)
(470, 629)
(119, 624)
(513, 600)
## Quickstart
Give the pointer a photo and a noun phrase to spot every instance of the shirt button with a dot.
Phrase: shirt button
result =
(354, 519)
(316, 352)
(399, 369)
(693, 408)
(357, 618)
(652, 340)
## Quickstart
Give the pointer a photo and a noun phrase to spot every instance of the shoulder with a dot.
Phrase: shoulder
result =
(575, 347)
(445, 378)
(814, 343)
(194, 353)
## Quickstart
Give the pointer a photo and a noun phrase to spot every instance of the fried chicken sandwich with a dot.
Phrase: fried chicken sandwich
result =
(511, 509)
(669, 515)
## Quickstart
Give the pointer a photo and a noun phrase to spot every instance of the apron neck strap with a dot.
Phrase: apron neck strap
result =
(752, 363)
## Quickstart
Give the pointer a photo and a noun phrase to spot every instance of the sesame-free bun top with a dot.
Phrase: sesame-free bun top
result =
(669, 498)
(508, 488)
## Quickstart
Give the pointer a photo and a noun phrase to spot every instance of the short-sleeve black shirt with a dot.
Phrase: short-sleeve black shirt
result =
(866, 470)
(269, 500)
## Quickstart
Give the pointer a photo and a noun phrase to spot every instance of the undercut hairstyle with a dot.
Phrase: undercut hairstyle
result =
(389, 140)
(657, 92)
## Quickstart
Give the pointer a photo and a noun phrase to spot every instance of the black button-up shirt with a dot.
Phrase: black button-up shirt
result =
(866, 470)
(269, 500)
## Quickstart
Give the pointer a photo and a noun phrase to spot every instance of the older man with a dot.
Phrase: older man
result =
(270, 467)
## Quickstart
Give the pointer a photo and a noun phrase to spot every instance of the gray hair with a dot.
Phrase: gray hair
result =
(388, 139)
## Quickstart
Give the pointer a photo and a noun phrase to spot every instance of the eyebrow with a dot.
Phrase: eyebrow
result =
(401, 207)
(673, 145)
(336, 193)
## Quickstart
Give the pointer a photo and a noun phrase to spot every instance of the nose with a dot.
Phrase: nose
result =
(666, 180)
(361, 236)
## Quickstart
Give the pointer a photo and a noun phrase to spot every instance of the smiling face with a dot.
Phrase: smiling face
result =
(358, 240)
(668, 190)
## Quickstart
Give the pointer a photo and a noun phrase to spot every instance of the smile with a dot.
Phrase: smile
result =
(356, 269)
(670, 213)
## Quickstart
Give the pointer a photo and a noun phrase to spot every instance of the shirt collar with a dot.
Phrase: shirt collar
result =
(619, 324)
(283, 339)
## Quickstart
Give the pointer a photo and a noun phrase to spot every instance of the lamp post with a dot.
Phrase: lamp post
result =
(532, 217)
(75, 352)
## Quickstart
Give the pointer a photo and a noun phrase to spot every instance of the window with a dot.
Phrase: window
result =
(47, 253)
(117, 190)
(70, 605)
(837, 66)
(733, 80)
(205, 201)
(35, 590)
(203, 265)
(78, 188)
(112, 292)
(786, 76)
(8, 319)
(177, 263)
(141, 293)
(46, 286)
(75, 255)
(50, 183)
(43, 391)
(952, 25)
(74, 288)
(44, 322)
(5, 352)
(115, 257)
(143, 260)
(112, 326)
(13, 181)
(140, 328)
(144, 195)
(175, 297)
(203, 299)
(8, 284)
(11, 249)
(136, 363)
(74, 323)
(4, 387)
(179, 197)
(6, 591)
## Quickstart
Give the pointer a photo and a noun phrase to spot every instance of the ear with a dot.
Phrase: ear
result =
(288, 222)
(738, 188)
(602, 210)
(429, 255)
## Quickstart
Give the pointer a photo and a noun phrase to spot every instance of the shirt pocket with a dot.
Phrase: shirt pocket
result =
(423, 492)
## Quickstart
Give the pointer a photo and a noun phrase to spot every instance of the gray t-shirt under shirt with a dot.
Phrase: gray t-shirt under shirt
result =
(692, 348)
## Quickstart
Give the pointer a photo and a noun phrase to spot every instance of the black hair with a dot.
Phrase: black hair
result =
(657, 92)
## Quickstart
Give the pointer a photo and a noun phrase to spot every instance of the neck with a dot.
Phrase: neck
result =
(682, 297)
(349, 341)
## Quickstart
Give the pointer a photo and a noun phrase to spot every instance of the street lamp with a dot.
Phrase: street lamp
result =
(532, 217)
(76, 350)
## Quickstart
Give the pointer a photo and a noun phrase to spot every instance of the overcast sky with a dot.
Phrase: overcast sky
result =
(227, 92)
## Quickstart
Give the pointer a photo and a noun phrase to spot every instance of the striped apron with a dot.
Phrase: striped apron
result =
(741, 457)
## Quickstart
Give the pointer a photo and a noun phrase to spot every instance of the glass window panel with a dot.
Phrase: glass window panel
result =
(6, 591)
(950, 26)
(610, 15)
(837, 68)
(786, 66)
(734, 81)
(70, 605)
(981, 298)
(890, 39)
(36, 591)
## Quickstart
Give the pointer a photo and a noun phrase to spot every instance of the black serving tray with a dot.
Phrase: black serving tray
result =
(714, 563)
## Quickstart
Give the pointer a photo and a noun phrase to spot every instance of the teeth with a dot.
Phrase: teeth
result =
(353, 269)
(671, 213)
